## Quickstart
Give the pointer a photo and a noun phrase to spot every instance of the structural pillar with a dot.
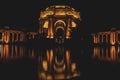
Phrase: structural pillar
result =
(50, 29)
(112, 38)
(68, 29)
(3, 36)
(98, 38)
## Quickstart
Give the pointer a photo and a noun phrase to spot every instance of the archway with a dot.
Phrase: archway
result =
(59, 34)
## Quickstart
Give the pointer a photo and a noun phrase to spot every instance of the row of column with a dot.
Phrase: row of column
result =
(8, 37)
(111, 38)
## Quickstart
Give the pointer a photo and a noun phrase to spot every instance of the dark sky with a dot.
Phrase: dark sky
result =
(96, 15)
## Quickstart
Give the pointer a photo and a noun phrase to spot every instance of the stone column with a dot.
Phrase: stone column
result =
(94, 38)
(67, 29)
(22, 37)
(112, 38)
(3, 37)
(51, 29)
(48, 31)
(98, 38)
(7, 37)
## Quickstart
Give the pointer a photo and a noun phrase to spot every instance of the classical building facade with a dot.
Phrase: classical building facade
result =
(111, 37)
(8, 35)
(58, 21)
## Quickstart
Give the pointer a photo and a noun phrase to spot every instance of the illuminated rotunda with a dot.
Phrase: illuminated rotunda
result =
(58, 21)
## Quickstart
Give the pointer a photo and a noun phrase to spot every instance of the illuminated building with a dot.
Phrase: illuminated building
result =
(8, 35)
(58, 21)
(111, 37)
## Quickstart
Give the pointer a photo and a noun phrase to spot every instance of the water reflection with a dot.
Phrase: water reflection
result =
(111, 53)
(8, 52)
(56, 64)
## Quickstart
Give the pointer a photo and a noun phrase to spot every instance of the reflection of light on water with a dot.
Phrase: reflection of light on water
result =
(113, 53)
(10, 52)
(45, 65)
(106, 53)
(57, 65)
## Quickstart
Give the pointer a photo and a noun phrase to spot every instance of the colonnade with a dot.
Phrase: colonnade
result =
(11, 36)
(106, 37)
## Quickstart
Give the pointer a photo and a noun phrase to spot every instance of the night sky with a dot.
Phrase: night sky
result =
(96, 15)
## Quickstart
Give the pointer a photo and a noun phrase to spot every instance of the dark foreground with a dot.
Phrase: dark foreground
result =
(59, 63)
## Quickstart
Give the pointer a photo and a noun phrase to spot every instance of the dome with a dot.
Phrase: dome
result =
(60, 10)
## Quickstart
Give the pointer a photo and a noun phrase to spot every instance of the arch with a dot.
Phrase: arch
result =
(59, 27)
(60, 31)
(60, 21)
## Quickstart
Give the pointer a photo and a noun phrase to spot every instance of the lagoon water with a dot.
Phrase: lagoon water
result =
(20, 62)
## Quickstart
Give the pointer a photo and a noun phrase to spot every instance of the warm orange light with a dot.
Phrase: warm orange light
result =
(73, 67)
(51, 56)
(45, 65)
(112, 38)
(59, 76)
(46, 24)
(60, 21)
(60, 13)
(59, 69)
(73, 24)
(113, 53)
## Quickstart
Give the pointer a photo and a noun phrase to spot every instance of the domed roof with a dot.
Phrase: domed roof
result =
(58, 10)
(59, 7)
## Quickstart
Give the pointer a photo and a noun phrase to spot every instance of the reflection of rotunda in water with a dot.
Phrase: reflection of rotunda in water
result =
(57, 64)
